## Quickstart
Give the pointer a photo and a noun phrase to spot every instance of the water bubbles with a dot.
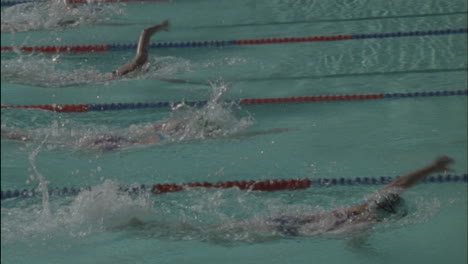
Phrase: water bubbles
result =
(177, 106)
(55, 58)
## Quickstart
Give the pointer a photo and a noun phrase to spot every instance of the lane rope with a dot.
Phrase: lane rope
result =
(83, 108)
(221, 43)
(258, 185)
(11, 3)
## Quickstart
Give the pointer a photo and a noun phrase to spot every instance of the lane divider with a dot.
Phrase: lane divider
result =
(220, 43)
(259, 185)
(11, 3)
(80, 108)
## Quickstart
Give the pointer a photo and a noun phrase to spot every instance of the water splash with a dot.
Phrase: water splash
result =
(42, 181)
(100, 208)
(53, 14)
(39, 70)
(216, 119)
(106, 206)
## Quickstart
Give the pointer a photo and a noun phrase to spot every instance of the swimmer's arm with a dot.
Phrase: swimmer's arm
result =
(142, 48)
(360, 240)
(127, 68)
(181, 81)
(256, 133)
(410, 179)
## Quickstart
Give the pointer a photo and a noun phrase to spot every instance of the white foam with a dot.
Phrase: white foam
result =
(51, 14)
(101, 208)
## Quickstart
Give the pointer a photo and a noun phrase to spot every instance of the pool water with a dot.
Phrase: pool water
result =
(329, 139)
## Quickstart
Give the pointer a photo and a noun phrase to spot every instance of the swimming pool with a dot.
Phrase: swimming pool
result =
(326, 139)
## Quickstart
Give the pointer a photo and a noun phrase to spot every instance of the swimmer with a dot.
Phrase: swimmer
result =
(384, 204)
(153, 133)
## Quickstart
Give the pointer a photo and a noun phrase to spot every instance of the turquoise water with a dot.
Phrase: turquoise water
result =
(370, 138)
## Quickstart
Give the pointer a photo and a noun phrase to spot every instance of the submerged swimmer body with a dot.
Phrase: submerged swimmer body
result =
(157, 132)
(382, 205)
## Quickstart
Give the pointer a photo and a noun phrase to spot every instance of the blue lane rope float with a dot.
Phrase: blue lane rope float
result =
(220, 43)
(260, 185)
(80, 108)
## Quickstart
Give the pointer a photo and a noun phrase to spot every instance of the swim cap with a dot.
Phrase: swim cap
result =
(390, 203)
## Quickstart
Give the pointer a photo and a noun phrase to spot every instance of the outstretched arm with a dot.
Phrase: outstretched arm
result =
(142, 49)
(411, 178)
(408, 180)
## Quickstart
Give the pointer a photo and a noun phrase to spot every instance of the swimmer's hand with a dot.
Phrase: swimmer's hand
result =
(440, 164)
(164, 25)
(413, 177)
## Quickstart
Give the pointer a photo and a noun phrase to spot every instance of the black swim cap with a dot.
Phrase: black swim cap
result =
(389, 203)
